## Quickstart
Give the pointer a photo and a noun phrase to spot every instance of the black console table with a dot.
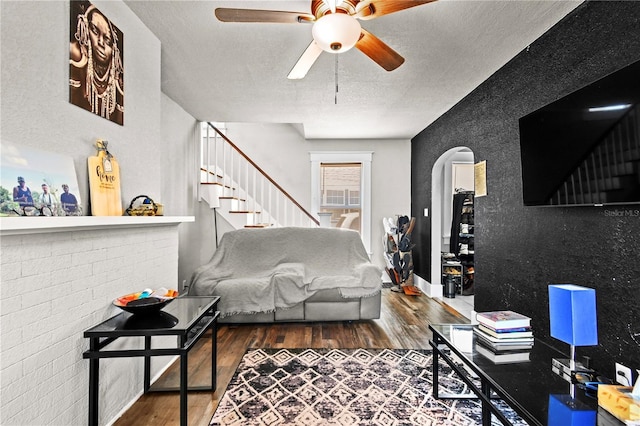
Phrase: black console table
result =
(187, 318)
(528, 387)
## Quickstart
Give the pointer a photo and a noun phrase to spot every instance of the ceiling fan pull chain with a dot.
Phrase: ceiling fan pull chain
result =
(336, 95)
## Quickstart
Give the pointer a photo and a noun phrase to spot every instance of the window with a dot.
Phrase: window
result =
(332, 197)
(340, 194)
(341, 185)
(354, 198)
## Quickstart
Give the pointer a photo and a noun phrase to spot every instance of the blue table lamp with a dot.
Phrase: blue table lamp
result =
(573, 319)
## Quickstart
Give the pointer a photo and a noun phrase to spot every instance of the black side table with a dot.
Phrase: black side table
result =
(187, 317)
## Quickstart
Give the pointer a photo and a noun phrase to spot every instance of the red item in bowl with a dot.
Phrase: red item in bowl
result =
(147, 305)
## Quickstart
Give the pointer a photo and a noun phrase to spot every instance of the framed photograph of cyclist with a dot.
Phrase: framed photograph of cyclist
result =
(34, 182)
(96, 69)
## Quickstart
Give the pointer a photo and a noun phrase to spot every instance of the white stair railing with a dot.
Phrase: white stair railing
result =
(252, 192)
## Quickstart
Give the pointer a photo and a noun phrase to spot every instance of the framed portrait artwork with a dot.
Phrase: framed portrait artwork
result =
(96, 69)
(34, 182)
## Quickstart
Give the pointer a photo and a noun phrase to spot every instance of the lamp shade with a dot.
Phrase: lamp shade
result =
(567, 411)
(336, 32)
(573, 315)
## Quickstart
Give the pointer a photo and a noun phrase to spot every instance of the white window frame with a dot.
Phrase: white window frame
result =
(362, 157)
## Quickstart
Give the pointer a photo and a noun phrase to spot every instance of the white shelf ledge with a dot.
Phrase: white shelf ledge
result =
(41, 225)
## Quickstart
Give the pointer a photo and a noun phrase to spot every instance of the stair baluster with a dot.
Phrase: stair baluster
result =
(244, 187)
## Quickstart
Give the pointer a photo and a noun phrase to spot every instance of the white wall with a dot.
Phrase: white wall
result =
(283, 153)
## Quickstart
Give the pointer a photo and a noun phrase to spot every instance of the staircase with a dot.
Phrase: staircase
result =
(240, 191)
(612, 167)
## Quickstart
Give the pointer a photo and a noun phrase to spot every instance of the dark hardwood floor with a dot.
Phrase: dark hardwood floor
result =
(403, 324)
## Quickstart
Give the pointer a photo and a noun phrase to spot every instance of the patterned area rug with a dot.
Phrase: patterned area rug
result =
(344, 387)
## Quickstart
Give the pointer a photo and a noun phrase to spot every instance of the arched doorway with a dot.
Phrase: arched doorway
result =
(448, 175)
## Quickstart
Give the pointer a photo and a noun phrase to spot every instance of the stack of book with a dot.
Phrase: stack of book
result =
(504, 336)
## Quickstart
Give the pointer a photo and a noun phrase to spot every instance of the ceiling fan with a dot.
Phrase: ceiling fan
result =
(335, 28)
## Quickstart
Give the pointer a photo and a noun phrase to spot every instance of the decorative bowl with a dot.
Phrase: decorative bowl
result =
(145, 302)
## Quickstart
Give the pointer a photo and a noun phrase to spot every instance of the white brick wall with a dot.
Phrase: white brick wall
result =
(54, 286)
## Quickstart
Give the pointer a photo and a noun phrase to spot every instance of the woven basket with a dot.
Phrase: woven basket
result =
(145, 207)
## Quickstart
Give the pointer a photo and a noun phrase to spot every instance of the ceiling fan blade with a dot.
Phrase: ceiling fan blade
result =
(305, 62)
(270, 16)
(379, 51)
(370, 9)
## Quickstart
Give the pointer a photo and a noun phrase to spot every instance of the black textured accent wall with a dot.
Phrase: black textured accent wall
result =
(520, 250)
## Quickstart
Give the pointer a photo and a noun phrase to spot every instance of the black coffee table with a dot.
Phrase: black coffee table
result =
(527, 387)
(186, 317)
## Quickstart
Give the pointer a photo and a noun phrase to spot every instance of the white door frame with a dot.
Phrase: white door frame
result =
(440, 185)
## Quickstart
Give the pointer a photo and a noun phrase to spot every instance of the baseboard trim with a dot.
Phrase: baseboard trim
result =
(431, 290)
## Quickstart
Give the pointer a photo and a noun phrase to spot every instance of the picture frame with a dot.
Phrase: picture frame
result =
(35, 182)
(96, 66)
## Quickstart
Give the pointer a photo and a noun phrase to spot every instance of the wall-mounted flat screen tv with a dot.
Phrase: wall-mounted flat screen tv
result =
(584, 149)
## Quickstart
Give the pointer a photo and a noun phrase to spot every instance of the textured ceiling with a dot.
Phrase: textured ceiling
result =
(237, 72)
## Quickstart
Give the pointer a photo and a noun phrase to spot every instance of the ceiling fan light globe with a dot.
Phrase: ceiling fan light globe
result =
(336, 32)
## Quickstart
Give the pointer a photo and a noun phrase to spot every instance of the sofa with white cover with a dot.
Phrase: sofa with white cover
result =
(291, 274)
